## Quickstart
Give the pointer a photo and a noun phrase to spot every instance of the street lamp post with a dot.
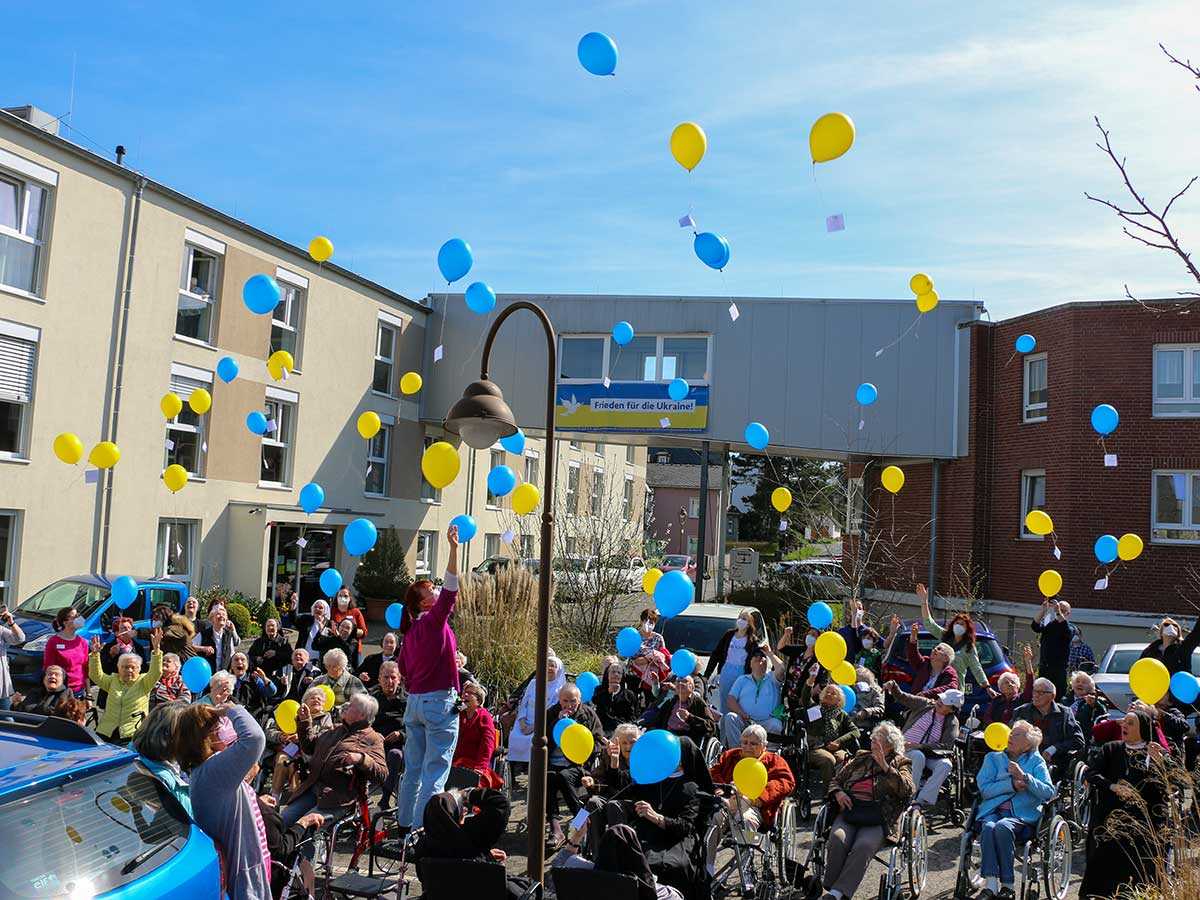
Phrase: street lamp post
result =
(482, 417)
(682, 523)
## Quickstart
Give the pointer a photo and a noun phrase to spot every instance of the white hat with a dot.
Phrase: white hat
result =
(952, 697)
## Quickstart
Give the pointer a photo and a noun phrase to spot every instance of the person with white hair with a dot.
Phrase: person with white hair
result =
(930, 730)
(170, 687)
(934, 673)
(1014, 784)
(128, 690)
(220, 689)
(337, 675)
(312, 627)
(1062, 736)
(1054, 631)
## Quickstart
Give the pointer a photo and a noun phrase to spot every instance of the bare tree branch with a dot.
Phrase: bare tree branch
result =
(1194, 70)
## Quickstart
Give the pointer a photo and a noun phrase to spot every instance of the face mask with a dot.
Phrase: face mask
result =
(809, 641)
(868, 643)
(1170, 631)
(959, 629)
(742, 624)
(343, 602)
(77, 623)
(225, 732)
(647, 627)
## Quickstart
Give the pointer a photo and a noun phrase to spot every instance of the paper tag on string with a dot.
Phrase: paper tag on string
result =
(508, 536)
(370, 466)
(1102, 584)
(301, 543)
(204, 446)
(607, 382)
(271, 426)
(733, 312)
(437, 353)
(664, 422)
(91, 476)
(687, 221)
(783, 524)
(862, 423)
(835, 223)
(179, 549)
(814, 713)
(1057, 552)
(1110, 460)
(580, 819)
(169, 444)
(286, 374)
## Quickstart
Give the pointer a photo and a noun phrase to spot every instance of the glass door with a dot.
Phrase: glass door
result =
(298, 557)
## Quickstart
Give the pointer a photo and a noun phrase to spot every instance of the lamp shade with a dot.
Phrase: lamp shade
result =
(481, 416)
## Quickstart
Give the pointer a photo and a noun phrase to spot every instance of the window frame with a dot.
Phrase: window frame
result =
(434, 497)
(161, 562)
(201, 379)
(30, 335)
(533, 467)
(571, 494)
(1034, 412)
(627, 498)
(693, 507)
(425, 556)
(596, 504)
(856, 504)
(380, 325)
(491, 501)
(287, 442)
(1026, 476)
(192, 244)
(1188, 523)
(629, 455)
(25, 184)
(9, 560)
(374, 462)
(1190, 397)
(607, 358)
(491, 544)
(293, 299)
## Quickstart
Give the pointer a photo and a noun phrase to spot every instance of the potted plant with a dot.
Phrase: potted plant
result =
(382, 578)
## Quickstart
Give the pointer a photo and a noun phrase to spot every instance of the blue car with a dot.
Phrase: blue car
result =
(987, 646)
(80, 818)
(90, 594)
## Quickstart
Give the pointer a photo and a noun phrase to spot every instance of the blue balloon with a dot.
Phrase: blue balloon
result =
(587, 682)
(1106, 548)
(260, 294)
(196, 674)
(712, 249)
(655, 755)
(359, 537)
(683, 663)
(1185, 687)
(466, 525)
(257, 422)
(312, 495)
(820, 616)
(1105, 419)
(501, 480)
(454, 259)
(678, 389)
(480, 298)
(561, 726)
(673, 593)
(848, 693)
(227, 369)
(757, 435)
(622, 333)
(629, 642)
(394, 615)
(514, 443)
(124, 591)
(866, 394)
(1026, 343)
(331, 582)
(598, 53)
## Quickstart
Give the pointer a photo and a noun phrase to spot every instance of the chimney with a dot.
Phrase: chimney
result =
(35, 117)
(120, 154)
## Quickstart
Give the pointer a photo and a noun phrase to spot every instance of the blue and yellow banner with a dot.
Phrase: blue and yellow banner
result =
(629, 406)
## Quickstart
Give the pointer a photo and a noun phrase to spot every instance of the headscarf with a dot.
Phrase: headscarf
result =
(1145, 726)
(444, 830)
(621, 851)
(552, 687)
(691, 760)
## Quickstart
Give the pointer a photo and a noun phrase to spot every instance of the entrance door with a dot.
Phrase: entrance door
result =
(299, 555)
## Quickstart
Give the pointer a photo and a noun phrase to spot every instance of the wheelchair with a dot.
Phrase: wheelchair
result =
(792, 745)
(1043, 863)
(765, 862)
(907, 860)
(954, 794)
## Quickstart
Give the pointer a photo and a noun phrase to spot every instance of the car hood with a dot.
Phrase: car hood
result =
(33, 628)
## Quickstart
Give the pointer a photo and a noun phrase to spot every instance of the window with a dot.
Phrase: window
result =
(533, 466)
(1177, 380)
(377, 459)
(685, 357)
(175, 550)
(277, 442)
(647, 357)
(491, 545)
(636, 361)
(18, 354)
(572, 486)
(426, 552)
(629, 454)
(581, 359)
(185, 444)
(1037, 393)
(8, 556)
(527, 546)
(288, 316)
(571, 544)
(856, 505)
(693, 507)
(495, 458)
(627, 499)
(663, 458)
(385, 358)
(1033, 496)
(1175, 512)
(429, 493)
(23, 208)
(198, 289)
(598, 449)
(597, 491)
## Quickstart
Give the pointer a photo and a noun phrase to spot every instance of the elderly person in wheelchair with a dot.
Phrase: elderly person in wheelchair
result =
(1014, 784)
(870, 794)
(930, 731)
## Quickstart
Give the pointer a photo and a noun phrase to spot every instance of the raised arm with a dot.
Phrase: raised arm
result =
(926, 616)
(444, 605)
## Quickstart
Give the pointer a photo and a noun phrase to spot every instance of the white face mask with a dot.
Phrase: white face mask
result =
(809, 640)
(1170, 631)
(959, 629)
(742, 624)
(78, 622)
(868, 643)
(343, 602)
(647, 627)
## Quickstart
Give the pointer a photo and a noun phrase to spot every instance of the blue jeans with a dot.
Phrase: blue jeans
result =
(999, 837)
(431, 729)
(729, 674)
(6, 702)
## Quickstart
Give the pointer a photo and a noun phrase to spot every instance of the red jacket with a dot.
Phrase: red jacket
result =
(1110, 730)
(476, 741)
(780, 781)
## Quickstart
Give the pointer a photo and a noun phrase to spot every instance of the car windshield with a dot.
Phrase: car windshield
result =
(679, 561)
(86, 598)
(1122, 661)
(616, 562)
(698, 633)
(989, 650)
(90, 835)
(570, 565)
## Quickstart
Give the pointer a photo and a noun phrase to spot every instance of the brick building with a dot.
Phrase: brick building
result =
(1032, 446)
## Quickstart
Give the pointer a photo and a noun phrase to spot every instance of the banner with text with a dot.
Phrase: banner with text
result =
(629, 406)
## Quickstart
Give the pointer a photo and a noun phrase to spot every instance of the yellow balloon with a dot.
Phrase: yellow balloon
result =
(577, 743)
(831, 136)
(200, 401)
(69, 448)
(285, 716)
(926, 302)
(830, 650)
(320, 248)
(1049, 583)
(525, 500)
(170, 405)
(175, 477)
(369, 424)
(920, 284)
(327, 702)
(104, 455)
(892, 478)
(1149, 680)
(1038, 522)
(996, 736)
(281, 364)
(440, 466)
(781, 499)
(650, 579)
(1129, 547)
(750, 777)
(688, 144)
(410, 383)
(844, 673)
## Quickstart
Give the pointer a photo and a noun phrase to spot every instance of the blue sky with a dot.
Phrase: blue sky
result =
(403, 124)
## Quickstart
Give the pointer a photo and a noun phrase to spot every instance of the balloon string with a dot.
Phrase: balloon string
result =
(442, 330)
(820, 193)
(906, 333)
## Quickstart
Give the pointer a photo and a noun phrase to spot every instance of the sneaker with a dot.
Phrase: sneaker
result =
(1007, 893)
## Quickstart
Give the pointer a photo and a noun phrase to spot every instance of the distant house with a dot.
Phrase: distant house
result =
(676, 507)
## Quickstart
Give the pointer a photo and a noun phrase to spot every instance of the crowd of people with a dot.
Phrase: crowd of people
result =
(403, 719)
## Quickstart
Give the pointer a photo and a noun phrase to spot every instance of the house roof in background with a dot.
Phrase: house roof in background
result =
(660, 475)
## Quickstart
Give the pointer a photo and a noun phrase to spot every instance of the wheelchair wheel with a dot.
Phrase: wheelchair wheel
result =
(917, 854)
(1056, 859)
(786, 841)
(711, 750)
(1081, 798)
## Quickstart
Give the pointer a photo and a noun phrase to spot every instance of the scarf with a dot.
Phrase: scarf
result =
(259, 827)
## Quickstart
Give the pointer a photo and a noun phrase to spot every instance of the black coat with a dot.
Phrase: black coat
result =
(391, 712)
(585, 716)
(1178, 656)
(1055, 645)
(38, 700)
(293, 683)
(717, 659)
(278, 646)
(700, 723)
(228, 646)
(616, 709)
(370, 666)
(326, 642)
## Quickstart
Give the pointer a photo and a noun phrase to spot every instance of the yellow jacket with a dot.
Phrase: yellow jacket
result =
(127, 703)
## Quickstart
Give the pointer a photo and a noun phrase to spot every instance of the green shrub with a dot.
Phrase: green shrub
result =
(239, 615)
(267, 611)
(383, 572)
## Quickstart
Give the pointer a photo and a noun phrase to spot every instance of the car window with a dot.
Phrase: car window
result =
(87, 598)
(697, 633)
(89, 836)
(989, 652)
(1122, 661)
(676, 561)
